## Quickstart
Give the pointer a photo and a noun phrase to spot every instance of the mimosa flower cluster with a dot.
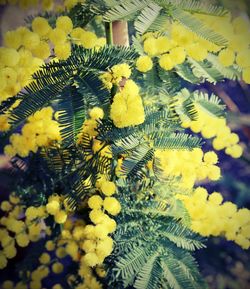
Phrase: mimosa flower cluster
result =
(127, 108)
(16, 232)
(212, 127)
(88, 245)
(212, 217)
(182, 43)
(191, 166)
(46, 5)
(237, 32)
(25, 50)
(116, 74)
(39, 131)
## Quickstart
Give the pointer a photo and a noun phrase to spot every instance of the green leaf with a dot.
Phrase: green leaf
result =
(129, 265)
(201, 7)
(132, 165)
(205, 71)
(211, 104)
(124, 10)
(150, 19)
(197, 27)
(150, 274)
(185, 72)
(175, 141)
(230, 72)
(181, 236)
(72, 111)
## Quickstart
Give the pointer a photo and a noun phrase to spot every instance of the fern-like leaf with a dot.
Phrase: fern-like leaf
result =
(197, 27)
(211, 104)
(175, 141)
(150, 19)
(200, 7)
(125, 10)
(128, 266)
(205, 71)
(150, 274)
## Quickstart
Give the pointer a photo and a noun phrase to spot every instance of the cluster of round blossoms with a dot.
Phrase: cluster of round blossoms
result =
(14, 231)
(127, 107)
(39, 131)
(182, 43)
(116, 74)
(98, 244)
(214, 127)
(210, 217)
(191, 166)
(46, 5)
(237, 32)
(26, 50)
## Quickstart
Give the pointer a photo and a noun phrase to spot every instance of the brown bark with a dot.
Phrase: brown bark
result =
(120, 33)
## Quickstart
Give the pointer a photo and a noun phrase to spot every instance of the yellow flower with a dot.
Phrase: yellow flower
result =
(60, 217)
(88, 246)
(108, 188)
(41, 26)
(96, 216)
(6, 206)
(53, 207)
(3, 261)
(242, 58)
(144, 63)
(246, 75)
(95, 202)
(100, 231)
(30, 40)
(57, 267)
(44, 258)
(12, 39)
(127, 108)
(210, 158)
(50, 245)
(9, 56)
(111, 205)
(57, 36)
(63, 50)
(197, 51)
(178, 55)
(166, 62)
(61, 252)
(88, 39)
(64, 23)
(22, 240)
(96, 113)
(226, 57)
(47, 4)
(8, 284)
(215, 198)
(90, 259)
(150, 46)
(42, 51)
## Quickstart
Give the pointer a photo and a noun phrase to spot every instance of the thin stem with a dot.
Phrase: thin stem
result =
(109, 33)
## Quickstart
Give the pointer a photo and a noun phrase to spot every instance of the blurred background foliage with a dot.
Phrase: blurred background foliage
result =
(224, 264)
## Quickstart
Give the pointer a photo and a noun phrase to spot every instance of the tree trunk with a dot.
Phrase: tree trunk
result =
(120, 33)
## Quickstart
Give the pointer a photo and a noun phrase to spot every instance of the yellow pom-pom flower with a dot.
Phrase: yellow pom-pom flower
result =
(108, 188)
(112, 205)
(60, 217)
(96, 113)
(95, 202)
(226, 57)
(144, 63)
(166, 62)
(64, 23)
(41, 26)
